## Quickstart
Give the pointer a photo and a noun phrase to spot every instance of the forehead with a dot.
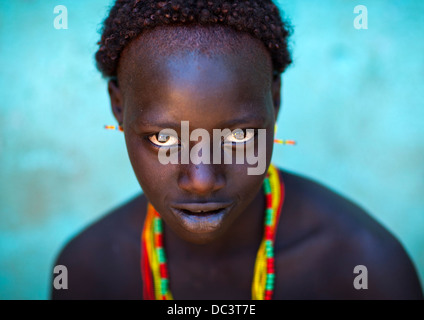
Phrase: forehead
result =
(213, 59)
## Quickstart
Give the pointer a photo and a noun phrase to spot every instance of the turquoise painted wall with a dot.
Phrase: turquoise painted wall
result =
(354, 101)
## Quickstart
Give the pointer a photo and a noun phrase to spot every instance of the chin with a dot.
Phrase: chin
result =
(200, 238)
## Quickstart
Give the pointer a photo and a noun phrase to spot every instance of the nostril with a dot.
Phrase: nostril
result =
(200, 179)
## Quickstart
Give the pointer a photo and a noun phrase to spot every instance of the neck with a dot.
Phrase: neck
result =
(243, 236)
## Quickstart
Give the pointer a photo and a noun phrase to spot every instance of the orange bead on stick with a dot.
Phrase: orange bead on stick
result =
(290, 142)
(119, 128)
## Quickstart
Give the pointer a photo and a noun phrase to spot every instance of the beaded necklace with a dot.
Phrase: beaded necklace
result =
(153, 260)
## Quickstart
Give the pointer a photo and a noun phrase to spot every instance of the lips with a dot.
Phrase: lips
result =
(201, 217)
(201, 208)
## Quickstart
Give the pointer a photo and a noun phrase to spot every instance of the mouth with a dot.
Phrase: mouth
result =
(201, 217)
(199, 213)
(197, 208)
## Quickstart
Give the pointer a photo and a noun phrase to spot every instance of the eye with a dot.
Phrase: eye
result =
(164, 140)
(240, 136)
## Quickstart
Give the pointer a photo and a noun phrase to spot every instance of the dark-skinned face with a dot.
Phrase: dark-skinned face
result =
(221, 91)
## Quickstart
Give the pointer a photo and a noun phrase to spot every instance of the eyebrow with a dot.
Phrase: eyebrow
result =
(242, 120)
(224, 124)
(159, 124)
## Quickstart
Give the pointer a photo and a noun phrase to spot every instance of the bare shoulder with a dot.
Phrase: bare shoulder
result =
(103, 260)
(330, 236)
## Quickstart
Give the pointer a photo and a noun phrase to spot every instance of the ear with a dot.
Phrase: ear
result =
(116, 100)
(276, 93)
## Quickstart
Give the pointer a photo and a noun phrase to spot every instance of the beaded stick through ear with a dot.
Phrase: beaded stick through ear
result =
(279, 141)
(119, 128)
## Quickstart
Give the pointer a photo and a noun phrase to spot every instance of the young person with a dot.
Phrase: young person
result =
(210, 230)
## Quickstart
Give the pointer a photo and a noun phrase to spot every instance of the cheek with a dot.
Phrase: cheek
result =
(243, 186)
(145, 164)
(248, 186)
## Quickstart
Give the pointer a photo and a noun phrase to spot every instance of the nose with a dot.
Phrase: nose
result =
(202, 179)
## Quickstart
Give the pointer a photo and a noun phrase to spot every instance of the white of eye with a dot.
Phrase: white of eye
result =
(164, 140)
(239, 136)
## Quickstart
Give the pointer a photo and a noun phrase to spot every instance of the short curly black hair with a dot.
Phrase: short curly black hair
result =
(129, 18)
